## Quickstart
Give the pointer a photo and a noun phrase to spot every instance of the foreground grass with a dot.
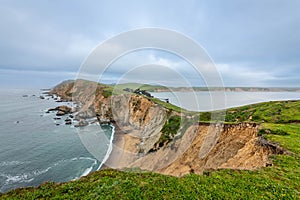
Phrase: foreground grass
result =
(281, 181)
(111, 184)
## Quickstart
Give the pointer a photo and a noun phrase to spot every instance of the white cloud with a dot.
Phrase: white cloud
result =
(57, 35)
(241, 75)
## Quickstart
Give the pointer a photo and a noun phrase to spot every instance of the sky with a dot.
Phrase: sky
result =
(251, 42)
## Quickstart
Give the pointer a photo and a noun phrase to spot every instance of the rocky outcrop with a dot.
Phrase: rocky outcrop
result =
(61, 110)
(81, 123)
(63, 90)
(68, 121)
(142, 139)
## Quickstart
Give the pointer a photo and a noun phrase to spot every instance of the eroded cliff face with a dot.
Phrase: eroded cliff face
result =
(139, 123)
(204, 147)
(134, 116)
(139, 118)
(218, 146)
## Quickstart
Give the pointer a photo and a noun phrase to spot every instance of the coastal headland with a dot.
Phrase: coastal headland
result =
(253, 151)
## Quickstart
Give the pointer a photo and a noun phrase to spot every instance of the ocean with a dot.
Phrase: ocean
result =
(35, 149)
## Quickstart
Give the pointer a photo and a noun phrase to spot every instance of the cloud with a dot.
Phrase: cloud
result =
(241, 74)
(252, 42)
(150, 66)
(28, 42)
(32, 79)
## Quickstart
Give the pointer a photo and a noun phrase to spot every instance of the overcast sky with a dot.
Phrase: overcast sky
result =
(252, 43)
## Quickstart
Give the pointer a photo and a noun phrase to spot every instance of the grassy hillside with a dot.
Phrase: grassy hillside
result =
(272, 112)
(269, 112)
(148, 87)
(281, 181)
(155, 88)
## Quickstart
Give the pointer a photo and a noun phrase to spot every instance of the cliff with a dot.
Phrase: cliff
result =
(152, 137)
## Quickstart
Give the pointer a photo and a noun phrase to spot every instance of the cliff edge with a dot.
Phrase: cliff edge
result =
(153, 137)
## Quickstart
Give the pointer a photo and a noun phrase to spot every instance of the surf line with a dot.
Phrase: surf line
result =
(110, 147)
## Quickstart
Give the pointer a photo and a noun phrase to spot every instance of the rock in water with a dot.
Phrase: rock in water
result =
(61, 110)
(82, 123)
(68, 121)
(64, 109)
(60, 113)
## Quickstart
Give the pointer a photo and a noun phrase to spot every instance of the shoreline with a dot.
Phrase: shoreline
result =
(117, 138)
(110, 148)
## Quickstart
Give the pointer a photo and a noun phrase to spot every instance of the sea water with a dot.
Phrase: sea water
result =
(208, 101)
(35, 148)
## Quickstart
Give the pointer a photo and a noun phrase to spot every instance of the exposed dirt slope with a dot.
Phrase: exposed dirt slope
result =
(214, 147)
(139, 123)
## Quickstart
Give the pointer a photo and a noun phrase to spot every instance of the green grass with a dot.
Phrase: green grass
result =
(147, 87)
(171, 107)
(276, 183)
(170, 129)
(279, 112)
(107, 93)
(281, 181)
(271, 112)
(290, 140)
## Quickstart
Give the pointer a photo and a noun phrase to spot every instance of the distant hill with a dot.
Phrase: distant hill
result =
(159, 88)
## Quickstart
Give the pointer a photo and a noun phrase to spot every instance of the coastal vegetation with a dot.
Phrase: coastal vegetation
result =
(281, 181)
(169, 129)
(268, 112)
(279, 124)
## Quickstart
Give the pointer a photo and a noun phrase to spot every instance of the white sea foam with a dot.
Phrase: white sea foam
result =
(110, 147)
(26, 177)
(85, 158)
(17, 178)
(12, 163)
(87, 171)
(40, 172)
(16, 170)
